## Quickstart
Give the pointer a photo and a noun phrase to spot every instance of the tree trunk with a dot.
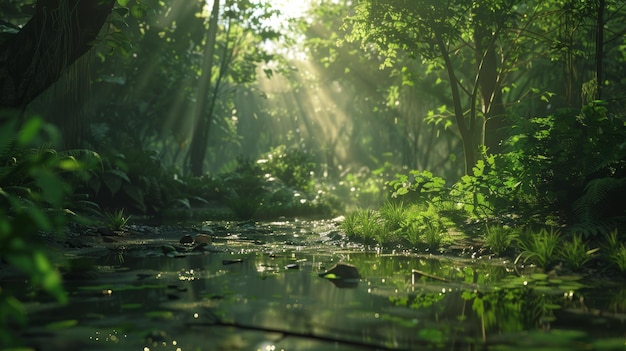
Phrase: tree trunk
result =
(467, 134)
(599, 49)
(58, 34)
(199, 141)
(495, 126)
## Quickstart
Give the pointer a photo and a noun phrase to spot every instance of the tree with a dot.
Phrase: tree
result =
(461, 37)
(244, 28)
(383, 109)
(201, 130)
(59, 32)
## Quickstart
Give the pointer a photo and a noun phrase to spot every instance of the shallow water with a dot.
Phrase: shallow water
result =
(260, 289)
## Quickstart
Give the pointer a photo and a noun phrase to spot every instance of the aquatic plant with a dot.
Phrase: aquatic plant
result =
(116, 220)
(575, 253)
(540, 247)
(498, 238)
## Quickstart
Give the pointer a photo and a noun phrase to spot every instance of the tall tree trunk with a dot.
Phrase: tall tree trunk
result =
(199, 141)
(599, 49)
(58, 34)
(495, 125)
(467, 134)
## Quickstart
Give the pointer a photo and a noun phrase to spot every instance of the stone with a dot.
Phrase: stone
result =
(292, 266)
(186, 240)
(342, 271)
(203, 239)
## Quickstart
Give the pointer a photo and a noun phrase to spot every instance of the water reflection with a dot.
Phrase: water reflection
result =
(270, 297)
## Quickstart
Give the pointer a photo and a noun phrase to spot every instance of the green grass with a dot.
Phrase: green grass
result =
(423, 227)
(613, 243)
(433, 233)
(575, 252)
(499, 238)
(618, 258)
(365, 225)
(393, 214)
(540, 247)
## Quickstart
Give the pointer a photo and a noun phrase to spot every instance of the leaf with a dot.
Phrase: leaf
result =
(138, 12)
(30, 130)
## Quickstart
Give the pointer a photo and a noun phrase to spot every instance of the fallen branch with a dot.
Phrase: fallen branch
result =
(218, 322)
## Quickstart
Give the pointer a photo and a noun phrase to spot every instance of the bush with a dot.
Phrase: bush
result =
(574, 164)
(293, 166)
(32, 196)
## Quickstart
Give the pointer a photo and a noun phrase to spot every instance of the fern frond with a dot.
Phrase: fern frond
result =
(599, 189)
(87, 157)
(597, 227)
(590, 208)
(596, 164)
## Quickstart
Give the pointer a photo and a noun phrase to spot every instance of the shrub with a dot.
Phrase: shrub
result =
(293, 166)
(574, 163)
(32, 196)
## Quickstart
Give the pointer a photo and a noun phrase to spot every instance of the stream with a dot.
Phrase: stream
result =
(257, 286)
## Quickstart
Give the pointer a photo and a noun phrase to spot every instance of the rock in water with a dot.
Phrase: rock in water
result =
(186, 240)
(202, 239)
(343, 275)
(341, 271)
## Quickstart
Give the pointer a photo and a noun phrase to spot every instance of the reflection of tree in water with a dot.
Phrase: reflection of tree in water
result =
(481, 313)
(511, 309)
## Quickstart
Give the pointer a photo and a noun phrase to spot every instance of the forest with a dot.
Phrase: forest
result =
(432, 128)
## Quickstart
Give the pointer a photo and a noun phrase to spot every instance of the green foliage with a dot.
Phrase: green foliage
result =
(32, 196)
(498, 238)
(250, 190)
(491, 191)
(615, 250)
(395, 223)
(394, 214)
(244, 189)
(574, 164)
(116, 220)
(418, 185)
(136, 180)
(366, 225)
(293, 166)
(540, 248)
(618, 258)
(423, 227)
(575, 252)
(363, 188)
